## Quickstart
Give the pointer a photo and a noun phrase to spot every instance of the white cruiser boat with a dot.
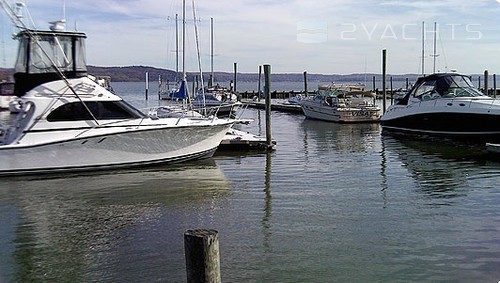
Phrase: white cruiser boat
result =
(445, 104)
(68, 122)
(342, 104)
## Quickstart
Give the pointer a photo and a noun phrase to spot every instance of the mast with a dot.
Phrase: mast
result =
(176, 48)
(183, 40)
(434, 52)
(211, 82)
(423, 48)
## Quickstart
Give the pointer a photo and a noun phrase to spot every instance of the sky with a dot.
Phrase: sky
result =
(317, 36)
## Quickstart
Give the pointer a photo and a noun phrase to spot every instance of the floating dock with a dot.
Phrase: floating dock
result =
(239, 140)
(283, 107)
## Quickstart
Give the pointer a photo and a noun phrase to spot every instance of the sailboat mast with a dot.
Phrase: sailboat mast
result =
(434, 54)
(183, 40)
(211, 51)
(176, 47)
(423, 48)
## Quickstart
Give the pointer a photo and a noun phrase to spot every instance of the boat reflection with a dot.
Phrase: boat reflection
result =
(83, 226)
(341, 137)
(440, 167)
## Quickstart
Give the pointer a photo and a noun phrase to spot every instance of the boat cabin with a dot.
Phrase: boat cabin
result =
(443, 85)
(44, 55)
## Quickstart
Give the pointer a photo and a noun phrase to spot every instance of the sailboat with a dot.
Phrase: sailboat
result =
(215, 98)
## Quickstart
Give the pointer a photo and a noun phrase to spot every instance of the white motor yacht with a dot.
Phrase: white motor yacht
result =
(342, 104)
(68, 122)
(444, 104)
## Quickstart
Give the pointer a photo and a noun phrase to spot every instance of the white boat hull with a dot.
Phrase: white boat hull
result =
(115, 150)
(467, 117)
(340, 114)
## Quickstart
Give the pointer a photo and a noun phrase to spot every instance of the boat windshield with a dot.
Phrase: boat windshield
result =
(446, 87)
(102, 110)
(41, 52)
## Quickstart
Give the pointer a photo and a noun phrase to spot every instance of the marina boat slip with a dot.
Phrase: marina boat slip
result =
(445, 104)
(343, 104)
(68, 122)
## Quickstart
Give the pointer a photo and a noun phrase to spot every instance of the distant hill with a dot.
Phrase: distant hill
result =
(137, 74)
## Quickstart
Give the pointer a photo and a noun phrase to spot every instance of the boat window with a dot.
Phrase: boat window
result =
(102, 110)
(461, 86)
(43, 51)
(427, 90)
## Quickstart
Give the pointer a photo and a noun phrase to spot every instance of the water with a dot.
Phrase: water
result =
(333, 203)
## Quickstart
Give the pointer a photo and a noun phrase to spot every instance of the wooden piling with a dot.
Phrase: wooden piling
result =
(235, 77)
(392, 91)
(495, 85)
(259, 94)
(267, 93)
(486, 82)
(373, 79)
(305, 83)
(147, 85)
(384, 59)
(201, 249)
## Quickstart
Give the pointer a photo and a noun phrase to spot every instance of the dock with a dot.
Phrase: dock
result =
(276, 106)
(239, 140)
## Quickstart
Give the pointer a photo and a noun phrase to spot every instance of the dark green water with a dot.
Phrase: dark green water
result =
(333, 203)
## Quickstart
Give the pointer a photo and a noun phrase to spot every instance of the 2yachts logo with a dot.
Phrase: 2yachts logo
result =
(317, 31)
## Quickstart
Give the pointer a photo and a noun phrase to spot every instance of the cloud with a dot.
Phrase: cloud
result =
(345, 33)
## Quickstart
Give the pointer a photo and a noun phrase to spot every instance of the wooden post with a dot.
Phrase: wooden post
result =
(147, 85)
(486, 82)
(494, 85)
(407, 84)
(384, 59)
(392, 92)
(194, 85)
(479, 82)
(235, 77)
(259, 94)
(373, 83)
(305, 83)
(201, 249)
(267, 93)
(159, 86)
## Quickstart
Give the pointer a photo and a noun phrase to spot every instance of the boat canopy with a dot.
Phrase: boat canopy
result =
(44, 55)
(443, 85)
(181, 93)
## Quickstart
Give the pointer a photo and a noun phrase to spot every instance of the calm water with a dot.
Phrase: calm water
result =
(333, 203)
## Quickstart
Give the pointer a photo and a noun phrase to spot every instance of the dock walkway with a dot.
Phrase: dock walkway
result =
(276, 106)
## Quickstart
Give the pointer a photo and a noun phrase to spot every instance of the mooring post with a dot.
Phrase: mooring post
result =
(392, 92)
(267, 93)
(479, 82)
(373, 83)
(195, 79)
(305, 83)
(235, 77)
(486, 82)
(407, 84)
(147, 85)
(259, 94)
(384, 57)
(494, 85)
(202, 256)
